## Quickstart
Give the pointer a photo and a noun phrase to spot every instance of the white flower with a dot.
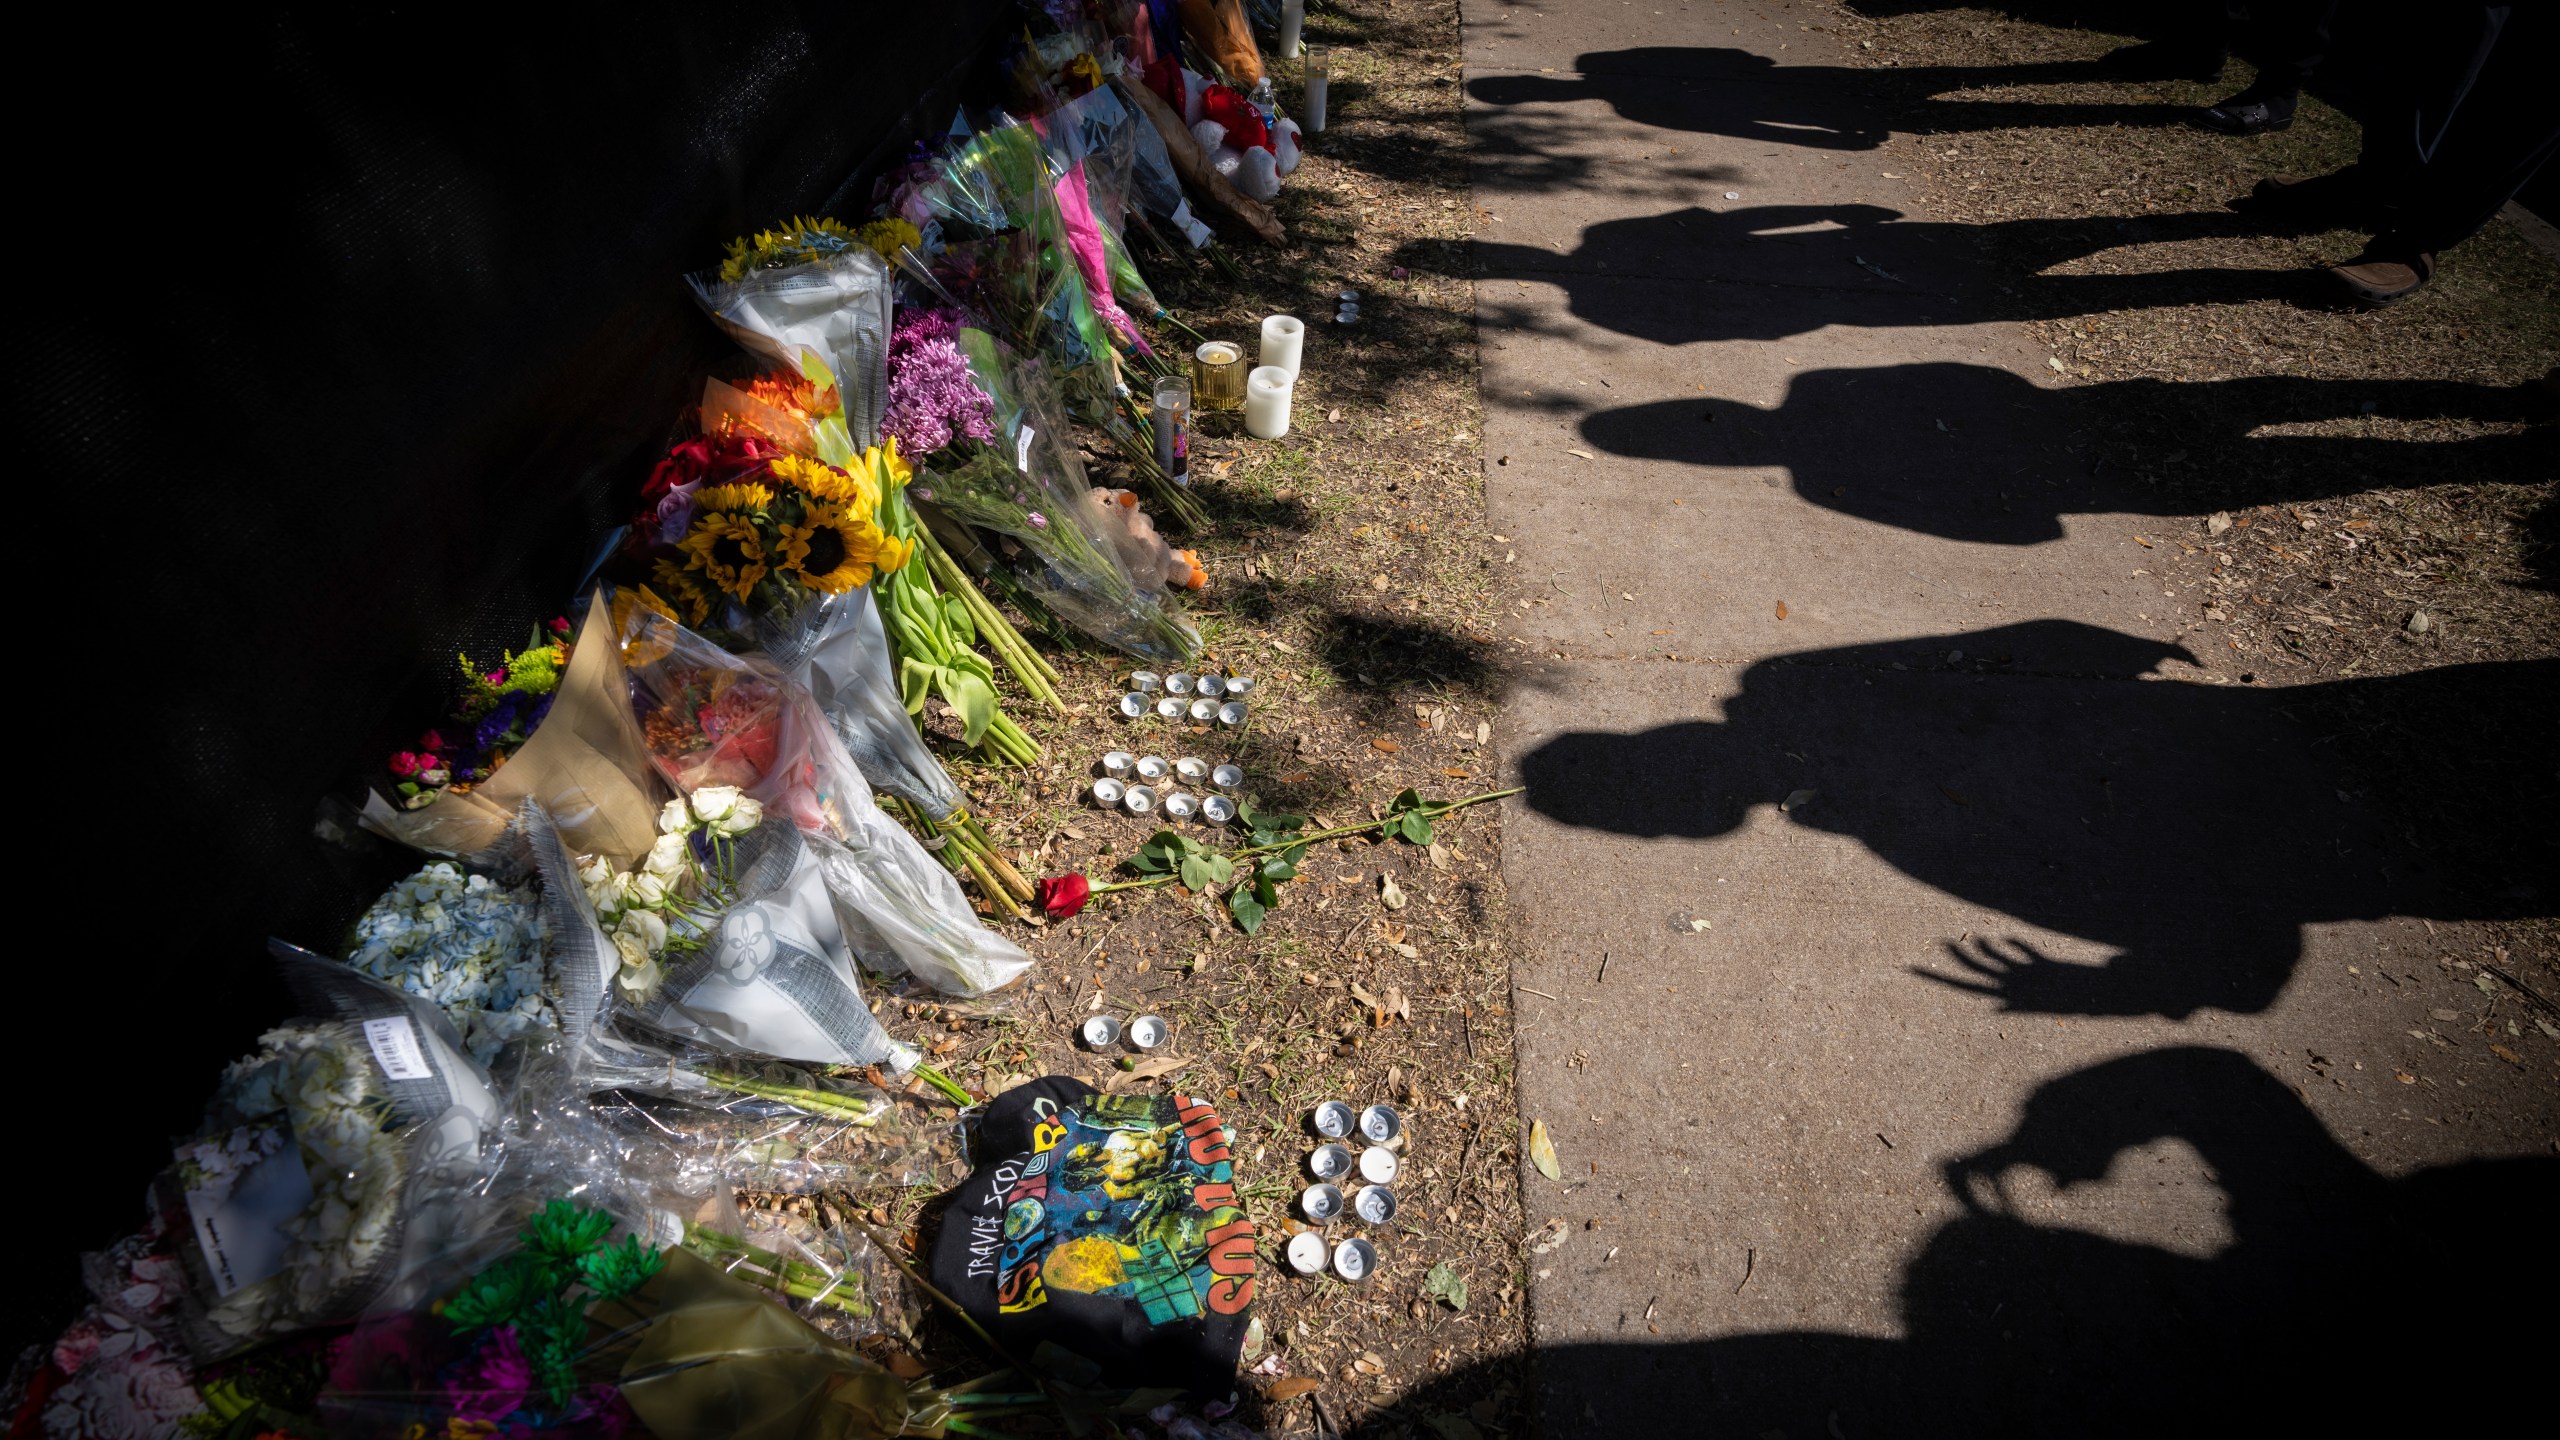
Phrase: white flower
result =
(713, 802)
(633, 950)
(595, 873)
(467, 943)
(744, 817)
(646, 927)
(647, 892)
(667, 857)
(675, 819)
(640, 979)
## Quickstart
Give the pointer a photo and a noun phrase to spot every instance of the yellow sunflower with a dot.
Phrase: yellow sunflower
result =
(635, 617)
(727, 498)
(672, 578)
(803, 238)
(727, 550)
(835, 550)
(826, 484)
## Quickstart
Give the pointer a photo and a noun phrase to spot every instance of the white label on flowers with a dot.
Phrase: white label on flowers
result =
(240, 1214)
(1022, 449)
(395, 1048)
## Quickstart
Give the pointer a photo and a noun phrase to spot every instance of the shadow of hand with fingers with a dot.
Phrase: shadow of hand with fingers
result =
(2192, 829)
(2014, 1324)
(1771, 271)
(1723, 91)
(1972, 452)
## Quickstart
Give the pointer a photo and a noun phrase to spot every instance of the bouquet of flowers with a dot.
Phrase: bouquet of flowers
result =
(292, 1185)
(466, 942)
(494, 716)
(583, 764)
(575, 1332)
(1031, 490)
(675, 895)
(112, 1375)
(812, 298)
(776, 531)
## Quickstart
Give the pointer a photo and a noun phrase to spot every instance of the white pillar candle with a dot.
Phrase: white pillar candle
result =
(1293, 19)
(1284, 339)
(1266, 401)
(1319, 68)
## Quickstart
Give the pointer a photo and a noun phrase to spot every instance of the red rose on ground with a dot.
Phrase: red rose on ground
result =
(1062, 896)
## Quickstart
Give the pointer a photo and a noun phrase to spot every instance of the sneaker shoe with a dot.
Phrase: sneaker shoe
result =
(2375, 280)
(2246, 114)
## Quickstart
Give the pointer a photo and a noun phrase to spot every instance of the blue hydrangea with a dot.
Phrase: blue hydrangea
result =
(469, 944)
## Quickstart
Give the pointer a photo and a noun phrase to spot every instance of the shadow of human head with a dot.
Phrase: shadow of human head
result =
(2019, 1321)
(1981, 454)
(1705, 89)
(2049, 770)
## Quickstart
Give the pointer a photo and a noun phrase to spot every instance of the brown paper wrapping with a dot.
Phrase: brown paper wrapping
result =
(1195, 168)
(1218, 28)
(704, 1356)
(586, 765)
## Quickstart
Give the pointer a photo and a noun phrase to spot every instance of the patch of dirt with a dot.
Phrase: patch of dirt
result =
(2418, 443)
(1350, 575)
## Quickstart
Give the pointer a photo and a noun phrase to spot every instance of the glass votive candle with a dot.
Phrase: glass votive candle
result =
(1217, 376)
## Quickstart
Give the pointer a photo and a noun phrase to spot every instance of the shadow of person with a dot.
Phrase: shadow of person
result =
(2192, 829)
(2326, 1269)
(1769, 271)
(1973, 452)
(1722, 91)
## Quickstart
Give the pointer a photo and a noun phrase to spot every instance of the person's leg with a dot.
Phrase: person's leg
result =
(2460, 149)
(2293, 38)
(2192, 46)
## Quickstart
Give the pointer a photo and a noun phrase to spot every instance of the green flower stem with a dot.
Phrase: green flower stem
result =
(989, 886)
(971, 1398)
(945, 1084)
(795, 1278)
(817, 1102)
(1037, 678)
(986, 849)
(1429, 808)
(1175, 321)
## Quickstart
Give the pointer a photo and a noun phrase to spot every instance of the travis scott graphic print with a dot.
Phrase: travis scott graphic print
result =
(1109, 1225)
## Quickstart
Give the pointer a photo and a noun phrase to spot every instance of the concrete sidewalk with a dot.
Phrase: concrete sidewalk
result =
(1954, 1007)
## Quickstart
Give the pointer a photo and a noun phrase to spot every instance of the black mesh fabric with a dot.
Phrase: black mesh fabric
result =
(343, 338)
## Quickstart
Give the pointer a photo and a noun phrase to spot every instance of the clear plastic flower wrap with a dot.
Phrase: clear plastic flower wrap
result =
(290, 1193)
(594, 1311)
(1030, 488)
(836, 650)
(717, 720)
(826, 297)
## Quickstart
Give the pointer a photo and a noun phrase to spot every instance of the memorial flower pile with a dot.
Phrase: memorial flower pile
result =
(734, 520)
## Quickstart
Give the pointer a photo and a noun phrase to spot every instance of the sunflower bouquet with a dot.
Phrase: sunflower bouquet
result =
(760, 531)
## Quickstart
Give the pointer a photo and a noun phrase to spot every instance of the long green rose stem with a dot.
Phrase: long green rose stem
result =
(966, 850)
(794, 1278)
(1427, 808)
(946, 1085)
(816, 1102)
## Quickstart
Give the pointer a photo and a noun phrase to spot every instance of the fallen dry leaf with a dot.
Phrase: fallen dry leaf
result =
(1390, 894)
(1291, 1388)
(1157, 1068)
(2503, 1053)
(1542, 1151)
(1548, 1237)
(1782, 609)
(1454, 772)
(2145, 544)
(2404, 1077)
(1389, 746)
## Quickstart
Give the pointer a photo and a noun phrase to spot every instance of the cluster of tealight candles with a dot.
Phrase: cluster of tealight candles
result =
(1202, 698)
(1138, 784)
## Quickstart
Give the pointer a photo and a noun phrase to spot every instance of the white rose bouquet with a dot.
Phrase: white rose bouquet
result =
(674, 896)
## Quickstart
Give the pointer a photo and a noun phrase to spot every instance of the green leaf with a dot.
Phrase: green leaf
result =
(964, 626)
(1195, 872)
(1149, 862)
(1542, 1151)
(1266, 892)
(1248, 908)
(973, 698)
(1446, 1285)
(915, 681)
(1221, 869)
(1416, 828)
(1275, 867)
(1409, 800)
